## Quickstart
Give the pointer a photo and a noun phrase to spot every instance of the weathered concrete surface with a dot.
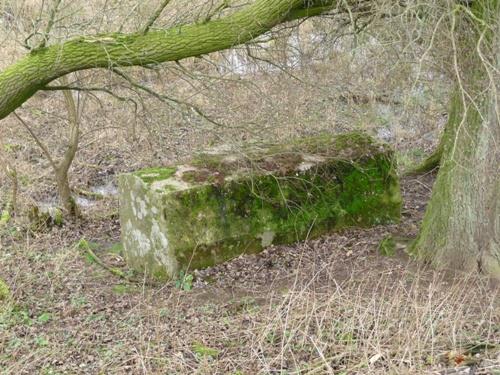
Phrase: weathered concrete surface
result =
(225, 204)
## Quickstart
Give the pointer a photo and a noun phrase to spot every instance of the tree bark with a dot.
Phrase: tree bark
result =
(23, 79)
(461, 227)
(64, 192)
(62, 169)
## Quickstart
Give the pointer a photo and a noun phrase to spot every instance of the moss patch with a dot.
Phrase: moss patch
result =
(4, 291)
(387, 246)
(155, 174)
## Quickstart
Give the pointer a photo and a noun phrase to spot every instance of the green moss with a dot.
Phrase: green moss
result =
(57, 216)
(4, 217)
(204, 351)
(369, 196)
(4, 291)
(150, 175)
(158, 272)
(387, 246)
(124, 289)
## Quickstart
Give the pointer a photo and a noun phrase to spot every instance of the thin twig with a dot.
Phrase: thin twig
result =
(50, 24)
(78, 88)
(40, 144)
(163, 97)
(224, 5)
(155, 16)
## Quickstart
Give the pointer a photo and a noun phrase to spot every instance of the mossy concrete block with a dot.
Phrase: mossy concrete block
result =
(223, 204)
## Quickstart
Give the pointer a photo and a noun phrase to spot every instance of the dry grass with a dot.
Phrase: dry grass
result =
(331, 305)
(391, 318)
(326, 306)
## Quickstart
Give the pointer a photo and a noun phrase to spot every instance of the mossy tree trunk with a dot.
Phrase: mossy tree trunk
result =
(66, 199)
(23, 79)
(461, 227)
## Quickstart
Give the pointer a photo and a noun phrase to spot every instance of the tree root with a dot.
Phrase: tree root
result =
(88, 194)
(113, 270)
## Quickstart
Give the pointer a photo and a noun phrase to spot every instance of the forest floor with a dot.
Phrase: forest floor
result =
(329, 305)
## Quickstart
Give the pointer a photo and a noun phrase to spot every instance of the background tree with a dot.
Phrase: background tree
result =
(61, 168)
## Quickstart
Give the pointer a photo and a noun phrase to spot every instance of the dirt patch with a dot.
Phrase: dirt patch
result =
(331, 305)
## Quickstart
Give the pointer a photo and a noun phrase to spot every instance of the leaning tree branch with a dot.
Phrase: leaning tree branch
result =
(22, 80)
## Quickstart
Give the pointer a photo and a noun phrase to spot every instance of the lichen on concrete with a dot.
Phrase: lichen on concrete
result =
(223, 204)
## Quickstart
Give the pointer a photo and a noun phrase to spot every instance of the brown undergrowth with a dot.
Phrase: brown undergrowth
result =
(331, 305)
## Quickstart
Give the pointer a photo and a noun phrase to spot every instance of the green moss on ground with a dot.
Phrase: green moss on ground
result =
(150, 175)
(387, 247)
(4, 291)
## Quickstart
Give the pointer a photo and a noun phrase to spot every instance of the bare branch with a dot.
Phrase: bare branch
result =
(163, 97)
(155, 16)
(40, 144)
(50, 24)
(211, 13)
(86, 89)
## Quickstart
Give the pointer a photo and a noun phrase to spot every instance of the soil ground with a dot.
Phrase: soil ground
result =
(329, 305)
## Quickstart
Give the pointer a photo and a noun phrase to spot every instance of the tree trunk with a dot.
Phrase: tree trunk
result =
(62, 171)
(64, 192)
(461, 227)
(15, 188)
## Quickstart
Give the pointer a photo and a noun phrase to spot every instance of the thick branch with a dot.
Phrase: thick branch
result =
(22, 80)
